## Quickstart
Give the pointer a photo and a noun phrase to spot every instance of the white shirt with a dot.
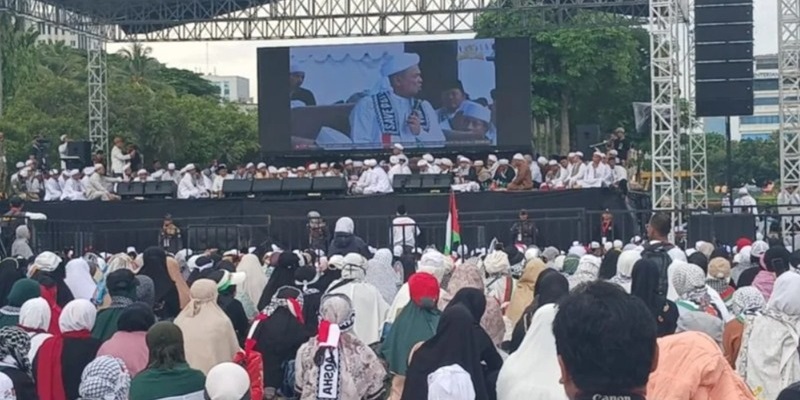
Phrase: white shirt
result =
(73, 190)
(576, 173)
(171, 176)
(618, 174)
(62, 152)
(96, 185)
(404, 232)
(747, 205)
(216, 187)
(595, 175)
(536, 172)
(52, 190)
(367, 129)
(118, 160)
(188, 188)
(399, 169)
(378, 181)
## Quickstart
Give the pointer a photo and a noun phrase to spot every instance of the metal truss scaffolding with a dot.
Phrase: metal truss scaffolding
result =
(665, 141)
(789, 97)
(98, 96)
(698, 188)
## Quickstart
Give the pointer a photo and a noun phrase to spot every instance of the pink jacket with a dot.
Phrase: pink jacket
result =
(691, 366)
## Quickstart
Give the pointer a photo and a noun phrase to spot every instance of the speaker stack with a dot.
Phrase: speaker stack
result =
(723, 57)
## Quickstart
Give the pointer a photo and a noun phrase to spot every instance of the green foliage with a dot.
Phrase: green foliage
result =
(753, 160)
(17, 50)
(172, 114)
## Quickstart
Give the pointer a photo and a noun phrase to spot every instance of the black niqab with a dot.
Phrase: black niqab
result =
(473, 299)
(167, 304)
(283, 275)
(608, 267)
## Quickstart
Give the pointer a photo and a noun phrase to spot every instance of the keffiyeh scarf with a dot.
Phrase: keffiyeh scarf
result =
(16, 343)
(105, 378)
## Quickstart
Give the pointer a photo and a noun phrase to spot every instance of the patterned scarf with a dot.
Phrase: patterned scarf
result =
(16, 343)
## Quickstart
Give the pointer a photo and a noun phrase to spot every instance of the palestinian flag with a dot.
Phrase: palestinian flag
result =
(453, 229)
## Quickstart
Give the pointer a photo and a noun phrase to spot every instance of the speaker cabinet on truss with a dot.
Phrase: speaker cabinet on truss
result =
(723, 57)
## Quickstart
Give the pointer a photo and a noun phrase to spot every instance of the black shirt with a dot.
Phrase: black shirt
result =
(622, 146)
(304, 95)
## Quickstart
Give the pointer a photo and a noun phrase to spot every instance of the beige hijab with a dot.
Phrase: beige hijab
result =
(256, 280)
(468, 275)
(523, 292)
(208, 335)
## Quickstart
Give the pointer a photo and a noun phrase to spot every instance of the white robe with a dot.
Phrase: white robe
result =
(73, 190)
(379, 182)
(594, 176)
(370, 309)
(118, 160)
(576, 173)
(188, 188)
(744, 203)
(52, 190)
(96, 188)
(367, 129)
(536, 172)
(398, 169)
(618, 174)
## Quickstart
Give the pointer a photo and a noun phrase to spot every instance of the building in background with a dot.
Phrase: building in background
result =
(235, 89)
(764, 120)
(50, 33)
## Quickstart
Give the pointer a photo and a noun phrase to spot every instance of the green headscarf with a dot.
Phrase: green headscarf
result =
(413, 325)
(22, 291)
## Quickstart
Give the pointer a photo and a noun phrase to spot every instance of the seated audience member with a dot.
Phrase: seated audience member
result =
(606, 343)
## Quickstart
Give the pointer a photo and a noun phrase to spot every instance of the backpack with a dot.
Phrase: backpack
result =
(659, 254)
(251, 360)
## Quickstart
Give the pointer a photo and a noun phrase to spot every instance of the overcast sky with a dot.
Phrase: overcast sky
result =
(239, 58)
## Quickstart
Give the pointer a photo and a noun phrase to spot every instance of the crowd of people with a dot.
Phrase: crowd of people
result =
(32, 182)
(643, 319)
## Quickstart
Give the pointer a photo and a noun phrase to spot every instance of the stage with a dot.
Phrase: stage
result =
(560, 216)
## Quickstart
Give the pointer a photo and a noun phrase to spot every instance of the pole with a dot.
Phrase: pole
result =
(1, 79)
(728, 161)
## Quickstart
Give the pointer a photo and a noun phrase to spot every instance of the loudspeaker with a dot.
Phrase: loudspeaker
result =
(721, 228)
(130, 189)
(329, 184)
(267, 186)
(586, 136)
(296, 185)
(237, 187)
(724, 57)
(405, 182)
(81, 149)
(160, 189)
(437, 182)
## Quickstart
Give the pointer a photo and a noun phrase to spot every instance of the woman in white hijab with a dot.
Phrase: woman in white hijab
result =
(532, 372)
(79, 279)
(368, 303)
(768, 359)
(499, 283)
(34, 318)
(625, 269)
(253, 285)
(588, 270)
(382, 274)
(227, 381)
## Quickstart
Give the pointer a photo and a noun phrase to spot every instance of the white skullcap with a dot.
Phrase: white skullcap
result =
(249, 165)
(503, 161)
(399, 63)
(541, 160)
(323, 165)
(398, 146)
(20, 165)
(492, 157)
(477, 111)
(88, 170)
(598, 154)
(262, 165)
(348, 162)
(358, 164)
(618, 244)
(612, 152)
(301, 168)
(171, 166)
(227, 381)
(594, 245)
(74, 173)
(743, 190)
(427, 157)
(187, 168)
(552, 162)
(53, 172)
(272, 169)
(464, 160)
(446, 162)
(157, 174)
(608, 246)
(394, 160)
(422, 163)
(142, 171)
(478, 163)
(518, 156)
(370, 162)
(23, 173)
(313, 167)
(579, 154)
(28, 163)
(571, 155)
(295, 68)
(282, 170)
(63, 137)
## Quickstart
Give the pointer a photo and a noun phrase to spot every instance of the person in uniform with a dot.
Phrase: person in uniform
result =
(394, 114)
(297, 93)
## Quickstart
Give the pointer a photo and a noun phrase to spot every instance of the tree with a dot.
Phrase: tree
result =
(581, 73)
(140, 66)
(17, 55)
(755, 161)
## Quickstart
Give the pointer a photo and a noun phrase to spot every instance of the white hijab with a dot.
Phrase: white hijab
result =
(532, 372)
(78, 314)
(768, 360)
(255, 281)
(344, 224)
(35, 314)
(79, 279)
(368, 303)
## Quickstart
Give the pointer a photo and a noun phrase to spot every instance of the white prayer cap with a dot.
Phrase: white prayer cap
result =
(594, 245)
(131, 249)
(282, 170)
(358, 164)
(570, 155)
(272, 169)
(608, 246)
(63, 137)
(187, 168)
(446, 162)
(618, 244)
(463, 159)
(323, 165)
(262, 165)
(20, 165)
(23, 173)
(394, 160)
(301, 168)
(171, 166)
(53, 172)
(612, 152)
(541, 160)
(157, 174)
(427, 157)
(249, 165)
(142, 171)
(313, 167)
(88, 170)
(28, 163)
(552, 162)
(503, 161)
(98, 166)
(399, 63)
(371, 162)
(518, 156)
(398, 146)
(598, 154)
(478, 163)
(74, 173)
(348, 162)
(422, 163)
(579, 154)
(437, 161)
(492, 157)
(296, 68)
(477, 111)
(382, 164)
(743, 190)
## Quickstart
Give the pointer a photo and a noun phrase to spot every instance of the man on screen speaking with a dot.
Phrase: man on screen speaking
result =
(393, 114)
